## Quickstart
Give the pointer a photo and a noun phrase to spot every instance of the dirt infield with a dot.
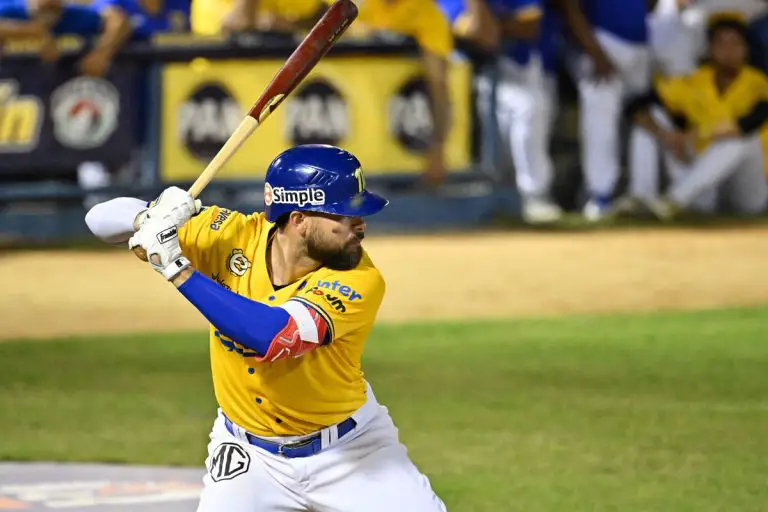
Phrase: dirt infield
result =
(463, 276)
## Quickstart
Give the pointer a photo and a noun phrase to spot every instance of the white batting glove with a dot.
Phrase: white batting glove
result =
(173, 202)
(159, 237)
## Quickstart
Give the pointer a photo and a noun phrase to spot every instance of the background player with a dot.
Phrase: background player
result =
(423, 21)
(211, 17)
(291, 299)
(613, 65)
(715, 153)
(524, 93)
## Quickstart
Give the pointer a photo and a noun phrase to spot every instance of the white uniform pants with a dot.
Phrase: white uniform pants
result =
(526, 101)
(368, 470)
(730, 171)
(601, 110)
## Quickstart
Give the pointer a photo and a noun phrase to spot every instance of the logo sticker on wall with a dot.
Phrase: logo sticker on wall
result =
(85, 112)
(207, 119)
(316, 114)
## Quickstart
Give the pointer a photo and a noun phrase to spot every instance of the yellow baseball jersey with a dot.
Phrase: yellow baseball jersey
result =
(420, 19)
(697, 98)
(206, 16)
(293, 396)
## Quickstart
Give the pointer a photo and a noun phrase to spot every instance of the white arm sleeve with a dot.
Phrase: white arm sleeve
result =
(112, 221)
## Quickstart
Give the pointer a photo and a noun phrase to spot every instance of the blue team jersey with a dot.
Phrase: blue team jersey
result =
(548, 45)
(172, 17)
(623, 18)
(454, 8)
(80, 20)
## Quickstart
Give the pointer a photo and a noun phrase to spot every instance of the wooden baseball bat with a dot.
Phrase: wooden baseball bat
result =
(303, 59)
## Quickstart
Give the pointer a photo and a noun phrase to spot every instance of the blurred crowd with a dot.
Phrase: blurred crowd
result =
(672, 92)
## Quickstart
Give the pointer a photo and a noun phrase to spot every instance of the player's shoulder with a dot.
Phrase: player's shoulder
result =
(754, 75)
(696, 78)
(221, 222)
(219, 216)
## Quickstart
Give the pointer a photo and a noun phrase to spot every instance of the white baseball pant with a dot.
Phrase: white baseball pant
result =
(367, 470)
(601, 106)
(526, 100)
(729, 171)
(676, 38)
(675, 48)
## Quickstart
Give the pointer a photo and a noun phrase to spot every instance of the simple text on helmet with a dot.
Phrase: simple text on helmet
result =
(301, 197)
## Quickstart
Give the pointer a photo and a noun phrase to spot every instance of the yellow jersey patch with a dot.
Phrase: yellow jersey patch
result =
(287, 397)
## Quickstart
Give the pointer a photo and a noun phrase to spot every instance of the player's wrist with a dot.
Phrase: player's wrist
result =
(182, 277)
(175, 268)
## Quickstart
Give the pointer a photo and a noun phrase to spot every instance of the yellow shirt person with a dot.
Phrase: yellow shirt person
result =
(211, 17)
(696, 98)
(420, 19)
(290, 396)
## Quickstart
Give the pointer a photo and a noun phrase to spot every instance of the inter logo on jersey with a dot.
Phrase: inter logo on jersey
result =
(344, 291)
(332, 300)
(228, 461)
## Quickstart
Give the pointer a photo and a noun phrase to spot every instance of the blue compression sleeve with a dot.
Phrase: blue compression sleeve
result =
(243, 320)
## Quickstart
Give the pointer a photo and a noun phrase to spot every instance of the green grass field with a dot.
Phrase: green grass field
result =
(663, 412)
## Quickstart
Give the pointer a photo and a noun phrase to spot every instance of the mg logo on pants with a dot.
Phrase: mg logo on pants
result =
(228, 461)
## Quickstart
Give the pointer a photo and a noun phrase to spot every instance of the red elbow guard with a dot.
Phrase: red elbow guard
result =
(303, 333)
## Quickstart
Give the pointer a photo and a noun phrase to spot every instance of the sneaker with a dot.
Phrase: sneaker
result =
(663, 209)
(597, 209)
(628, 206)
(541, 211)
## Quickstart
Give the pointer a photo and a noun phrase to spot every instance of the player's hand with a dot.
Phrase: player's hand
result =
(49, 49)
(725, 130)
(604, 68)
(96, 63)
(434, 173)
(173, 202)
(159, 237)
(677, 143)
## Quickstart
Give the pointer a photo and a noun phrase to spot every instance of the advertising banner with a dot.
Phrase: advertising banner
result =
(375, 106)
(52, 119)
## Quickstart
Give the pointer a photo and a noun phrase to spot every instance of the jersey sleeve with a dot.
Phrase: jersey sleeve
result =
(432, 30)
(672, 94)
(761, 86)
(202, 232)
(348, 301)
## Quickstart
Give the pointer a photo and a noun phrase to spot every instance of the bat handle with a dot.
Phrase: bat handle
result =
(239, 136)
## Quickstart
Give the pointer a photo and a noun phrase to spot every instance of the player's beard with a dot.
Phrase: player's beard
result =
(333, 257)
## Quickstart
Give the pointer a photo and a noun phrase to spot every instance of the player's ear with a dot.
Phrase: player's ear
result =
(299, 221)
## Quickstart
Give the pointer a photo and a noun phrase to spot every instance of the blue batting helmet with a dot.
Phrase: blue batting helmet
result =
(318, 178)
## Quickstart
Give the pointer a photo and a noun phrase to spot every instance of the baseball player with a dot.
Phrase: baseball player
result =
(613, 64)
(525, 92)
(715, 154)
(291, 296)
